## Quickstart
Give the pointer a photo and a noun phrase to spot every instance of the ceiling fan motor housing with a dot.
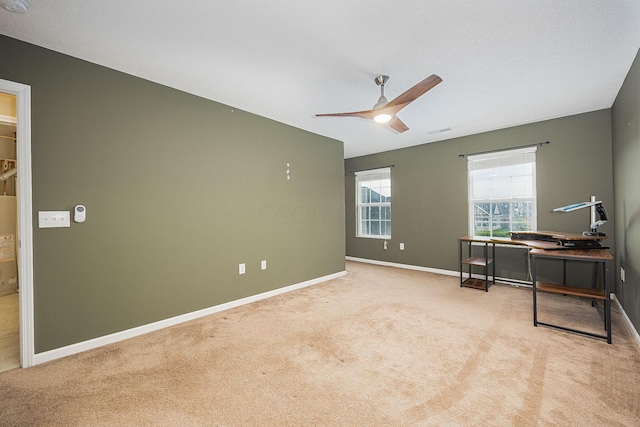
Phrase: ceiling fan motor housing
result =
(382, 101)
(382, 80)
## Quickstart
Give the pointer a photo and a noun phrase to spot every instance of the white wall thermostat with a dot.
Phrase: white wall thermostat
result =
(79, 213)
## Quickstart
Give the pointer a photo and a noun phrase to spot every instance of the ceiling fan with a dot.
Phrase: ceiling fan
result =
(385, 111)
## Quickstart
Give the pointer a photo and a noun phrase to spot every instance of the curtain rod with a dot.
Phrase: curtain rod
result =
(370, 169)
(539, 144)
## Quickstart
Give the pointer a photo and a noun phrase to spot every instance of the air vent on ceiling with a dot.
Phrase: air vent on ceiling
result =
(15, 6)
(433, 132)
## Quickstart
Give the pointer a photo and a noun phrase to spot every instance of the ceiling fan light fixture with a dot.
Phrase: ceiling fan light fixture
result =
(382, 117)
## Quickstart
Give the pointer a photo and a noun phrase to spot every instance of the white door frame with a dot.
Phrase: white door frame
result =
(25, 219)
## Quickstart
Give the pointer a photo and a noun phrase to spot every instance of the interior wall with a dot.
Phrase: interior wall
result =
(429, 192)
(179, 190)
(626, 161)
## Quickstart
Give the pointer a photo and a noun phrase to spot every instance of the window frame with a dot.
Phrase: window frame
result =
(494, 160)
(369, 176)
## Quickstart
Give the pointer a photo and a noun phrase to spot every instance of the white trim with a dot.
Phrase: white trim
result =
(369, 175)
(496, 159)
(632, 328)
(406, 266)
(25, 220)
(151, 327)
(511, 282)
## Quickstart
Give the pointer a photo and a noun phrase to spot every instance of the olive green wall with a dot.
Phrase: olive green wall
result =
(179, 190)
(429, 191)
(626, 178)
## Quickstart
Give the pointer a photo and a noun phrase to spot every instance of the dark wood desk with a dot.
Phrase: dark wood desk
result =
(553, 245)
(597, 256)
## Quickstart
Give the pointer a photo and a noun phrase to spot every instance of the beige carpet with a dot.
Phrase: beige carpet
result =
(378, 347)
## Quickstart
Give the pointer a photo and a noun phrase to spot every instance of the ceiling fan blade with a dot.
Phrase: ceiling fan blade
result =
(367, 114)
(395, 105)
(413, 93)
(398, 125)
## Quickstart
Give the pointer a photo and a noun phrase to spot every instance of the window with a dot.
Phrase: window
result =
(502, 192)
(373, 203)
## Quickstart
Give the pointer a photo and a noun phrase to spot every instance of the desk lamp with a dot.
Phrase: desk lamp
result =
(596, 207)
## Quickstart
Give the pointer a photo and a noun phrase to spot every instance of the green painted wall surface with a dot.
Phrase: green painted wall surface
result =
(626, 178)
(179, 190)
(429, 191)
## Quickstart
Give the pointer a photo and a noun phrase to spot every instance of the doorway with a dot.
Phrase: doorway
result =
(24, 228)
(9, 328)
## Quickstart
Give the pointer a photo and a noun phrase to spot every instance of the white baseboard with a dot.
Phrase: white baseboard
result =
(633, 330)
(512, 282)
(140, 330)
(406, 266)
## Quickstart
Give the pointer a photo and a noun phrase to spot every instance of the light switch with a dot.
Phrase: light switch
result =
(51, 219)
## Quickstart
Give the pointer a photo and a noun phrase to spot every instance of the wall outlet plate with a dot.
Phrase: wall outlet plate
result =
(263, 264)
(241, 268)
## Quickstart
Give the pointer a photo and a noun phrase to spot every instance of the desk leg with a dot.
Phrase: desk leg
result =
(494, 263)
(594, 302)
(486, 268)
(607, 301)
(469, 245)
(460, 258)
(533, 278)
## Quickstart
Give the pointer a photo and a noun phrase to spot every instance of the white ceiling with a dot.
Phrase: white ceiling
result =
(503, 63)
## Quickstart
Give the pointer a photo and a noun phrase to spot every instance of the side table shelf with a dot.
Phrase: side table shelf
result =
(570, 290)
(482, 262)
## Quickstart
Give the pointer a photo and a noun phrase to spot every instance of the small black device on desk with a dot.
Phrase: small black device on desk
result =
(559, 240)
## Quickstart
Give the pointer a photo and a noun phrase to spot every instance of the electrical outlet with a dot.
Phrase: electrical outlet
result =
(402, 246)
(263, 264)
(241, 268)
(622, 276)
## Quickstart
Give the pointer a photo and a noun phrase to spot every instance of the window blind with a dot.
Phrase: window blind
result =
(503, 158)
